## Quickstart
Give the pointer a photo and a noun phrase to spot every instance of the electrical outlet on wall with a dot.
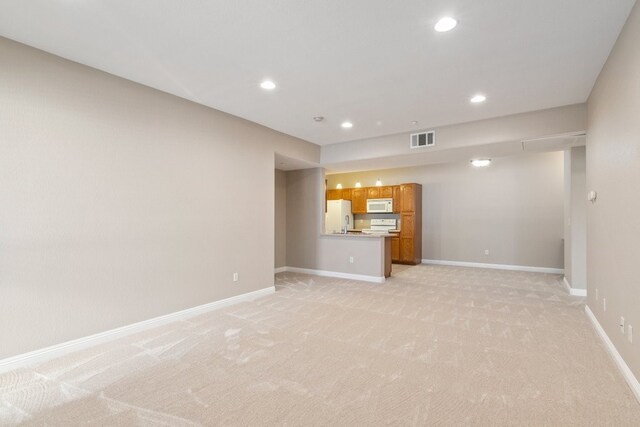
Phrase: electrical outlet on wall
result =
(630, 333)
(486, 251)
(235, 277)
(350, 260)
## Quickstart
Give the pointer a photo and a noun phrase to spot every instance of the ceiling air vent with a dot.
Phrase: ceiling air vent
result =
(424, 139)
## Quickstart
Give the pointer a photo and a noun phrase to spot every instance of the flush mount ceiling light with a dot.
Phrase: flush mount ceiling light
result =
(358, 185)
(476, 99)
(339, 186)
(480, 163)
(445, 24)
(268, 85)
(347, 125)
(378, 183)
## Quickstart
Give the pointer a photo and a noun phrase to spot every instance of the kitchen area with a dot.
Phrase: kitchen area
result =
(392, 213)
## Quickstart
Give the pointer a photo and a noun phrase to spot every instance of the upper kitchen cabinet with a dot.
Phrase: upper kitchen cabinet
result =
(373, 193)
(386, 192)
(397, 199)
(334, 194)
(339, 194)
(359, 200)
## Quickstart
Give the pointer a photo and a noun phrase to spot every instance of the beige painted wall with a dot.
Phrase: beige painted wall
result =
(513, 208)
(613, 170)
(121, 203)
(575, 226)
(305, 213)
(567, 215)
(280, 219)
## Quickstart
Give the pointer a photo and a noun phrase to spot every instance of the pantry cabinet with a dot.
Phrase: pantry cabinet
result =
(411, 224)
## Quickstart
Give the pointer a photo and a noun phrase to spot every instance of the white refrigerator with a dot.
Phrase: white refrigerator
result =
(338, 215)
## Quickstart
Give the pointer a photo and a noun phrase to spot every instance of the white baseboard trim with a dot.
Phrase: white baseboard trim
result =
(495, 266)
(622, 365)
(572, 291)
(57, 350)
(279, 270)
(337, 274)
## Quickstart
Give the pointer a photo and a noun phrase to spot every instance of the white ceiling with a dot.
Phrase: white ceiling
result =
(377, 63)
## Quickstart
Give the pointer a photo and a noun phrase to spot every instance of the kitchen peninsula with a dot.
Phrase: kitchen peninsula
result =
(367, 255)
(368, 229)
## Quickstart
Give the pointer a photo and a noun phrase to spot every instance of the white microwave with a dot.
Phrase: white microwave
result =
(379, 205)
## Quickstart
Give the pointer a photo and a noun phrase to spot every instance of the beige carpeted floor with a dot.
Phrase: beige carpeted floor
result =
(432, 346)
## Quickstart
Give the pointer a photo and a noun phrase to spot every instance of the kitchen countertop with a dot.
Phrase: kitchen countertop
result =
(357, 235)
(392, 232)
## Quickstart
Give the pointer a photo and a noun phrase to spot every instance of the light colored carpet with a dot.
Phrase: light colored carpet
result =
(434, 345)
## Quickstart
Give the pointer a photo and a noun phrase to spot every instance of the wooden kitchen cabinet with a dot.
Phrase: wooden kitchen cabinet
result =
(411, 224)
(397, 199)
(407, 250)
(408, 194)
(395, 249)
(407, 225)
(334, 194)
(373, 193)
(359, 200)
(339, 194)
(386, 192)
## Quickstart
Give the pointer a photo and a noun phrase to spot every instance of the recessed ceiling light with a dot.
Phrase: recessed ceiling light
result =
(318, 118)
(347, 125)
(268, 85)
(445, 24)
(478, 99)
(480, 163)
(414, 122)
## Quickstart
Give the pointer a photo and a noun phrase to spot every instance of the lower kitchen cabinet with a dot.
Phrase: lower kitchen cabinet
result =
(395, 249)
